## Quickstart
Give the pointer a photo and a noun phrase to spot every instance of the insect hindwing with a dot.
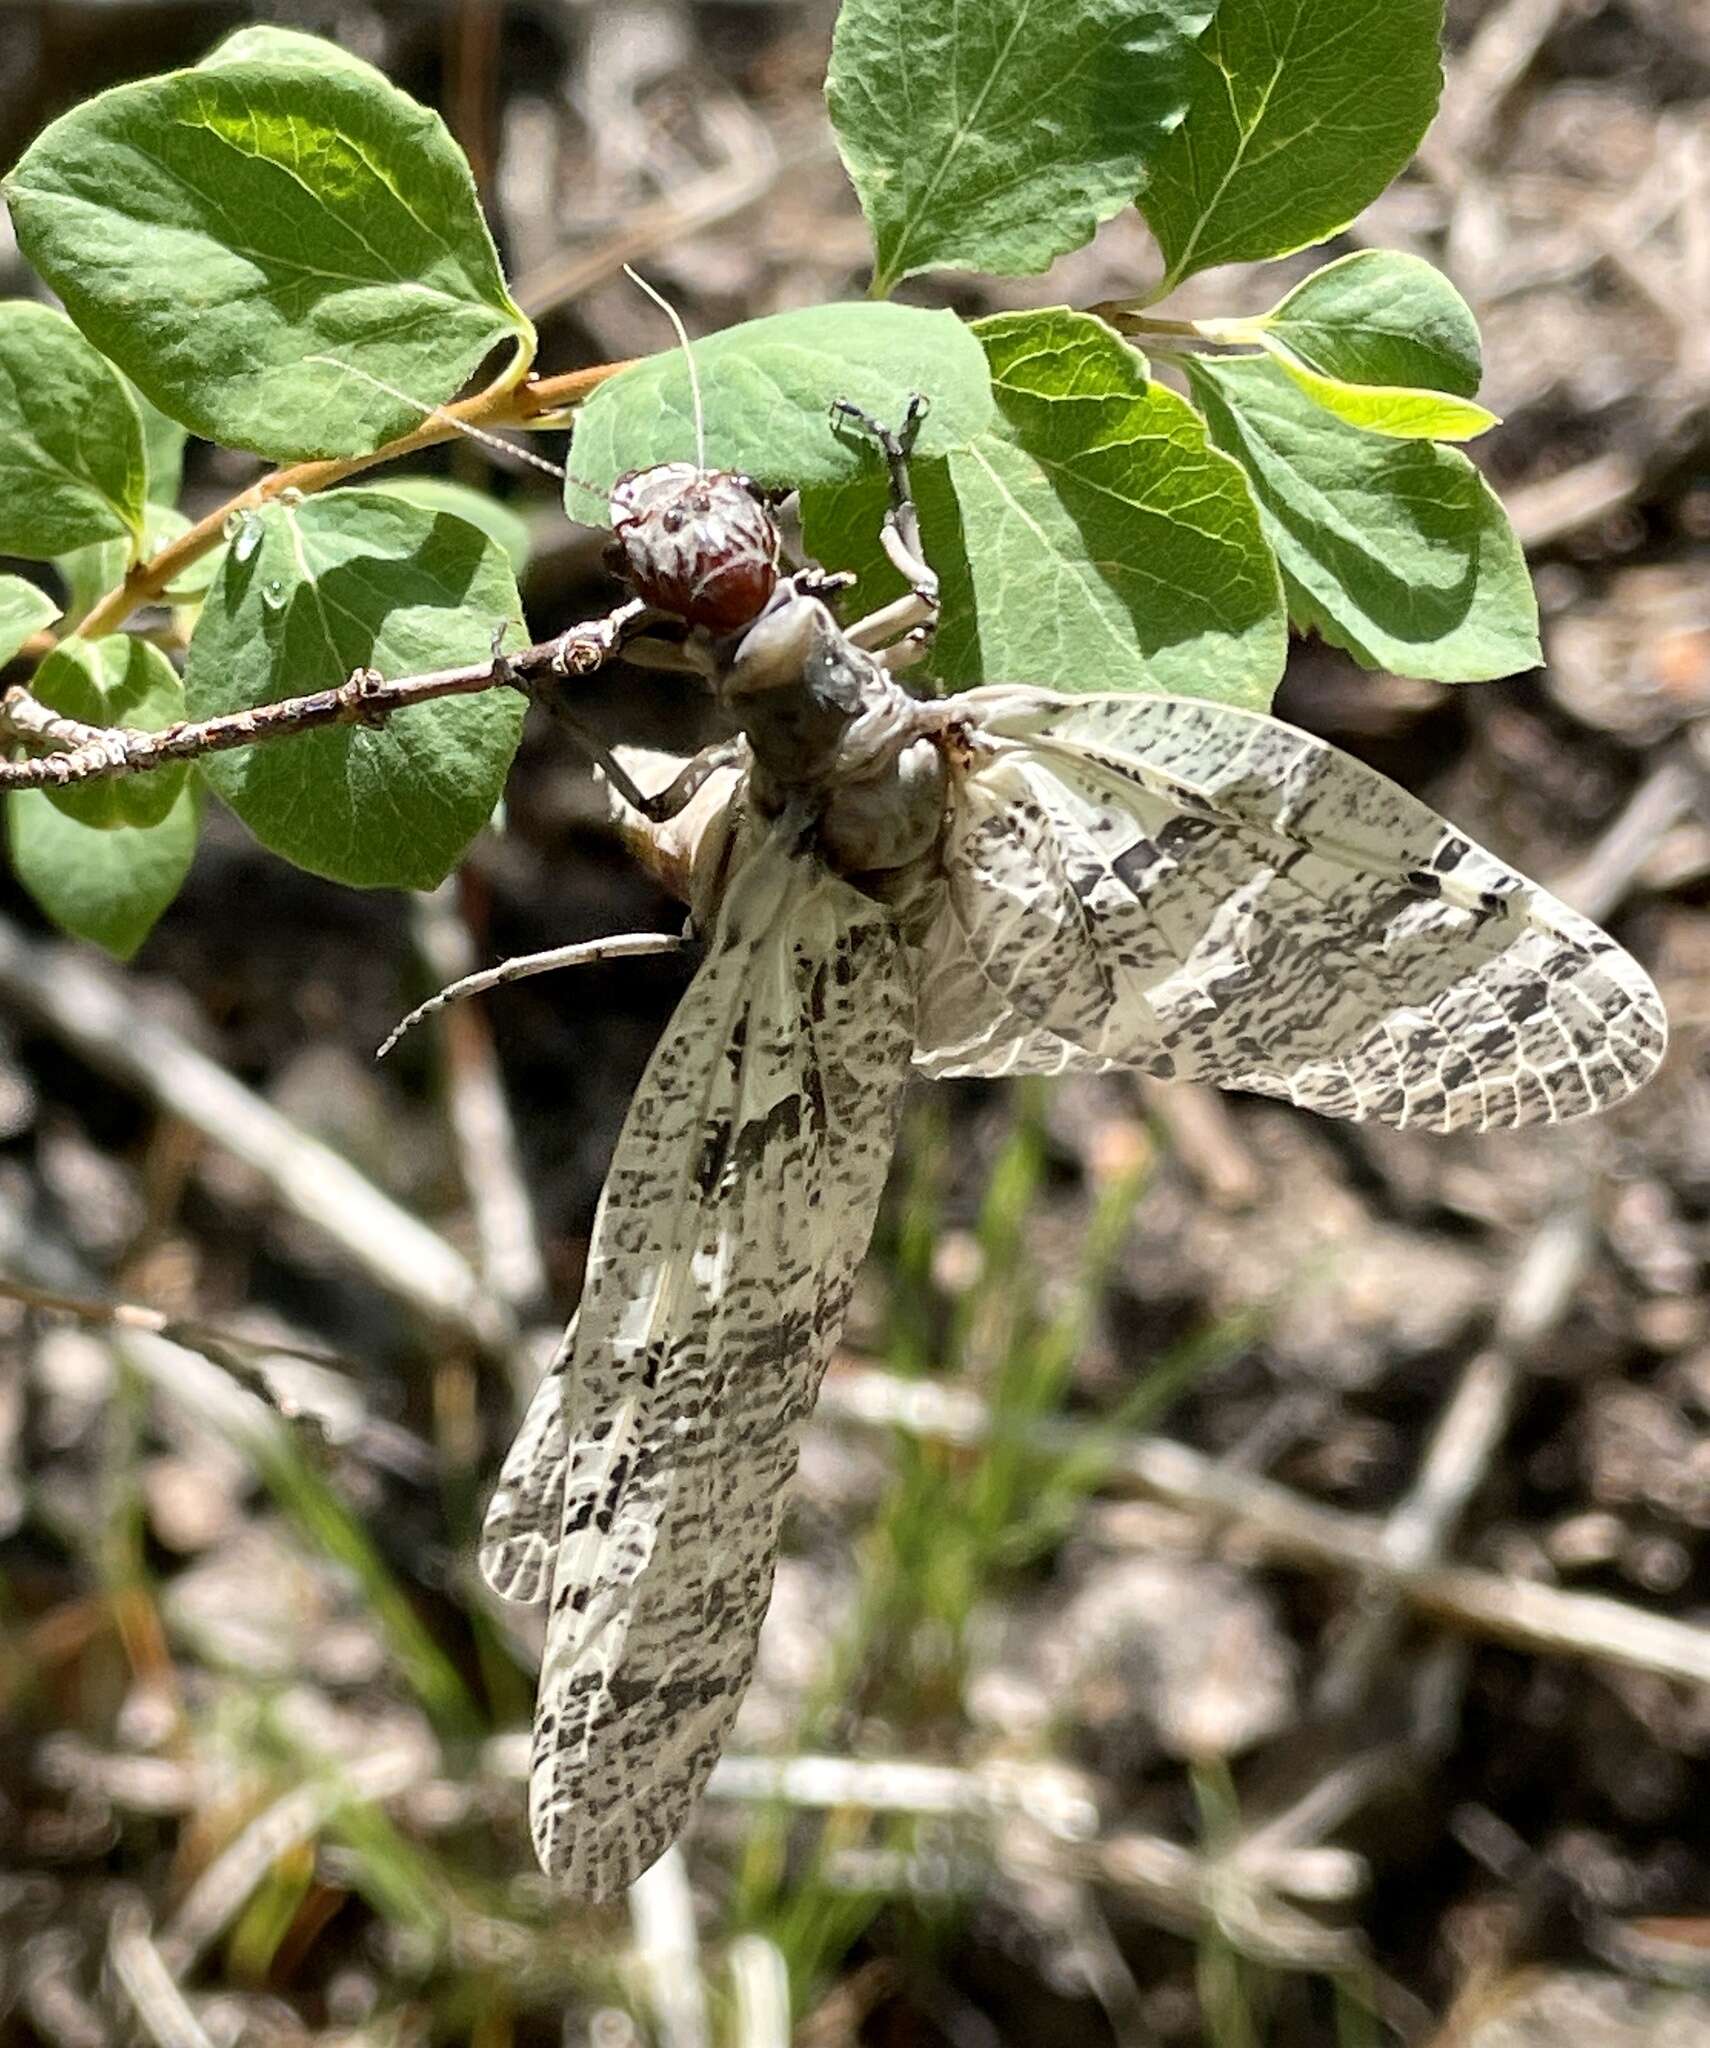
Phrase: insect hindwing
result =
(1207, 894)
(739, 1203)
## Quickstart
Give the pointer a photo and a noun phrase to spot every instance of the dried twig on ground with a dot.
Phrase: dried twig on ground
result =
(1469, 1428)
(509, 1256)
(99, 1016)
(710, 200)
(148, 1986)
(1596, 884)
(1549, 510)
(668, 1953)
(1276, 1522)
(759, 1993)
(225, 1887)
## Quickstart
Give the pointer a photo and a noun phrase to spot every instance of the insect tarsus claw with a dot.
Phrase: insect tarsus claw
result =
(919, 405)
(503, 672)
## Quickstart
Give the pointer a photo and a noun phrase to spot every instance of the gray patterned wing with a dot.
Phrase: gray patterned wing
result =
(525, 1517)
(519, 1537)
(1204, 893)
(739, 1203)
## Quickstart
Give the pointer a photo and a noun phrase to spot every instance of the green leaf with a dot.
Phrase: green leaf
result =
(439, 494)
(217, 231)
(349, 580)
(90, 572)
(163, 449)
(23, 610)
(109, 886)
(262, 43)
(1299, 113)
(118, 680)
(1398, 551)
(1382, 340)
(996, 136)
(1379, 317)
(768, 385)
(1091, 539)
(1386, 408)
(71, 446)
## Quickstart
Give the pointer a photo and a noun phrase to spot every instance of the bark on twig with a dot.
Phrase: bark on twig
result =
(98, 753)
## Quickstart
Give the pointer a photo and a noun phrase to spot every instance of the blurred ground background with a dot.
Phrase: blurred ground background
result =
(1251, 1581)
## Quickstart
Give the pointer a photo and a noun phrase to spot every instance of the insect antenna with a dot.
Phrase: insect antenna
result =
(450, 419)
(671, 314)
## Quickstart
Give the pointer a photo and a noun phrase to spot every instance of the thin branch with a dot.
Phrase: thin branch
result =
(95, 753)
(522, 405)
(98, 1016)
(1126, 317)
(28, 719)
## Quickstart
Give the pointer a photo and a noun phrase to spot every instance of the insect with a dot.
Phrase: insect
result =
(1003, 882)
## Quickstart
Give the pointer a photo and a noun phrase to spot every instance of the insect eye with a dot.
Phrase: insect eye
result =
(673, 521)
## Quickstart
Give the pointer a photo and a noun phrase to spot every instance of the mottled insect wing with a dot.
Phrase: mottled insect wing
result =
(739, 1203)
(1159, 883)
(1203, 893)
(525, 1517)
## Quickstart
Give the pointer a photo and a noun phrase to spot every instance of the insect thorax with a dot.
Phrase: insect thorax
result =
(829, 726)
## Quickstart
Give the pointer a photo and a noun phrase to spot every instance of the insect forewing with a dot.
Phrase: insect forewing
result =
(525, 1517)
(739, 1203)
(1205, 893)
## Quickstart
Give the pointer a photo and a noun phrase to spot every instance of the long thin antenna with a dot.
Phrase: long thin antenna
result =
(670, 312)
(438, 412)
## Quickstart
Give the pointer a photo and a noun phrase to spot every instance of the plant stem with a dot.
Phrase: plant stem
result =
(93, 753)
(498, 406)
(1126, 316)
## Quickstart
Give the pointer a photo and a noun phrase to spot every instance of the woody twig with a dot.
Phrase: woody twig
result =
(85, 753)
(535, 402)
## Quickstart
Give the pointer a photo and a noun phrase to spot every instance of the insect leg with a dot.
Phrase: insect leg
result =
(663, 804)
(915, 617)
(685, 657)
(667, 802)
(585, 953)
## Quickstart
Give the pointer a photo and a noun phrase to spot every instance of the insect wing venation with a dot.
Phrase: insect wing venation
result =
(739, 1203)
(525, 1517)
(1208, 894)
